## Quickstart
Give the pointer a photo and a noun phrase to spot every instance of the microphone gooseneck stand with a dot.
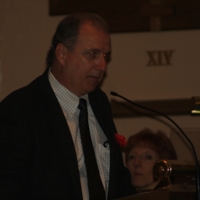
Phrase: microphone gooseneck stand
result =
(197, 169)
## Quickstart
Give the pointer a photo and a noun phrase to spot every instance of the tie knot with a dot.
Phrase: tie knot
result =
(82, 104)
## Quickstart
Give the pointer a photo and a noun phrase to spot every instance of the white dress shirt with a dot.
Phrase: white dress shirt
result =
(69, 103)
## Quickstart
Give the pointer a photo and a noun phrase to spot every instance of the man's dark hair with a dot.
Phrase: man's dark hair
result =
(68, 30)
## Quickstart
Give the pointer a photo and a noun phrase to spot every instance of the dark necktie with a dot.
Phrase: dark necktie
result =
(95, 186)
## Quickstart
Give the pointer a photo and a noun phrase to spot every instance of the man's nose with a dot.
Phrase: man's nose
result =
(102, 64)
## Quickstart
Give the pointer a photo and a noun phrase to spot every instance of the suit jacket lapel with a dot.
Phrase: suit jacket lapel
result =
(62, 133)
(104, 118)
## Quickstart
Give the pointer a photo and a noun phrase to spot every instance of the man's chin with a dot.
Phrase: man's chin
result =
(87, 90)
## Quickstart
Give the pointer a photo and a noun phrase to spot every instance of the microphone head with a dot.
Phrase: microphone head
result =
(113, 93)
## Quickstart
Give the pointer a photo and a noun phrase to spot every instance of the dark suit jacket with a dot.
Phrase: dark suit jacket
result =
(38, 159)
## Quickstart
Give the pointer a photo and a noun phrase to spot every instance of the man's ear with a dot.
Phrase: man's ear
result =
(60, 53)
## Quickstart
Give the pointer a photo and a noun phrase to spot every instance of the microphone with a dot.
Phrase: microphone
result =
(197, 168)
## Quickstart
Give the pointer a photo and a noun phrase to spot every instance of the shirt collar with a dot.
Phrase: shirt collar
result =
(64, 96)
(67, 99)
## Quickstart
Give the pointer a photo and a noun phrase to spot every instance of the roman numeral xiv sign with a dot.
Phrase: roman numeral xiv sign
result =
(160, 58)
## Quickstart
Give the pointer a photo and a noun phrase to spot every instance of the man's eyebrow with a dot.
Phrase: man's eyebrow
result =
(93, 49)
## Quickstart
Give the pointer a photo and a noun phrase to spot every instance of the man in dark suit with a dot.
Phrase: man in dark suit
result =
(41, 155)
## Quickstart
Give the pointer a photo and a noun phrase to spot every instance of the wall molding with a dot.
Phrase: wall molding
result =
(122, 109)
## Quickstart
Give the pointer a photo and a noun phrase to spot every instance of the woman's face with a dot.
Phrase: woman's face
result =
(140, 164)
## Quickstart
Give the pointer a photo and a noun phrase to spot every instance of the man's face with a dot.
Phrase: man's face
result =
(85, 66)
(140, 164)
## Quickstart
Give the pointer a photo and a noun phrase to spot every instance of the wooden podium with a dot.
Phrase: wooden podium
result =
(174, 192)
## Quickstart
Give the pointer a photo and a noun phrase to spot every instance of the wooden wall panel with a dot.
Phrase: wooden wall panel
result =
(136, 15)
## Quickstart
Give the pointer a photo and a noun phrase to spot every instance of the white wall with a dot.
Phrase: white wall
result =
(129, 75)
(26, 30)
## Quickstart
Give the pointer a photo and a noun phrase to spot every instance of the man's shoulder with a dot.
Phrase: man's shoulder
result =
(25, 93)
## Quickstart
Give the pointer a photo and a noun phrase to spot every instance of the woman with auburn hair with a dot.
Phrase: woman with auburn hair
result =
(143, 149)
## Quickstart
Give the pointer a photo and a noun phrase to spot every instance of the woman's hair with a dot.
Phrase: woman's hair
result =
(158, 142)
(68, 30)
